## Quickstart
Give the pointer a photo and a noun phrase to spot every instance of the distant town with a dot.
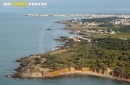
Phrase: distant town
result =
(82, 15)
(121, 19)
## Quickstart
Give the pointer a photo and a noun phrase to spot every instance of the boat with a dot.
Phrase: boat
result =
(48, 29)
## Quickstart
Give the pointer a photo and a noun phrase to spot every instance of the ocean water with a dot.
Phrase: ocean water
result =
(21, 36)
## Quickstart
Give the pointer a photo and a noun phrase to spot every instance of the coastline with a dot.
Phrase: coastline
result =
(89, 73)
(63, 72)
(28, 59)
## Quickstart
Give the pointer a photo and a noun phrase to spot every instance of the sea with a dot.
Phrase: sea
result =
(21, 36)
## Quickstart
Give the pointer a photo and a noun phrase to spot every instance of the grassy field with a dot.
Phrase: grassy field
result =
(84, 27)
(119, 35)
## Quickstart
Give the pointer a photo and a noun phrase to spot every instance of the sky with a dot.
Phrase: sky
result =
(79, 6)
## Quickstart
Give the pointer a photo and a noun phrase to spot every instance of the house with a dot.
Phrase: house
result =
(112, 32)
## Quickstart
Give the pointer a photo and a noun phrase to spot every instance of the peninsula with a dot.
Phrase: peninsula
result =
(102, 50)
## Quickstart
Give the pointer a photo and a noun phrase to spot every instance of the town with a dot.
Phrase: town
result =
(83, 15)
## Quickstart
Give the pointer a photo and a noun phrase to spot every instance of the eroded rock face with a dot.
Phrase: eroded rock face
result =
(45, 72)
(25, 72)
(28, 69)
(31, 75)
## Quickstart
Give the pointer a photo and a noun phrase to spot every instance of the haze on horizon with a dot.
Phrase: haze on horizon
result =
(80, 6)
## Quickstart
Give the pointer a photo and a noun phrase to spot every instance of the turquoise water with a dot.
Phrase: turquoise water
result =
(21, 36)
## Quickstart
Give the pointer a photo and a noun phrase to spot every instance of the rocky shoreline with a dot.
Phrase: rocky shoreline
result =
(20, 72)
(27, 70)
(23, 73)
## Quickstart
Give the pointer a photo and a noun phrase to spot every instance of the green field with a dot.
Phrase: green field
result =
(120, 35)
(84, 27)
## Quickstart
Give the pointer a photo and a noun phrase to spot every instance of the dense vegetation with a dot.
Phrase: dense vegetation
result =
(124, 29)
(106, 23)
(100, 20)
(114, 44)
(100, 54)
